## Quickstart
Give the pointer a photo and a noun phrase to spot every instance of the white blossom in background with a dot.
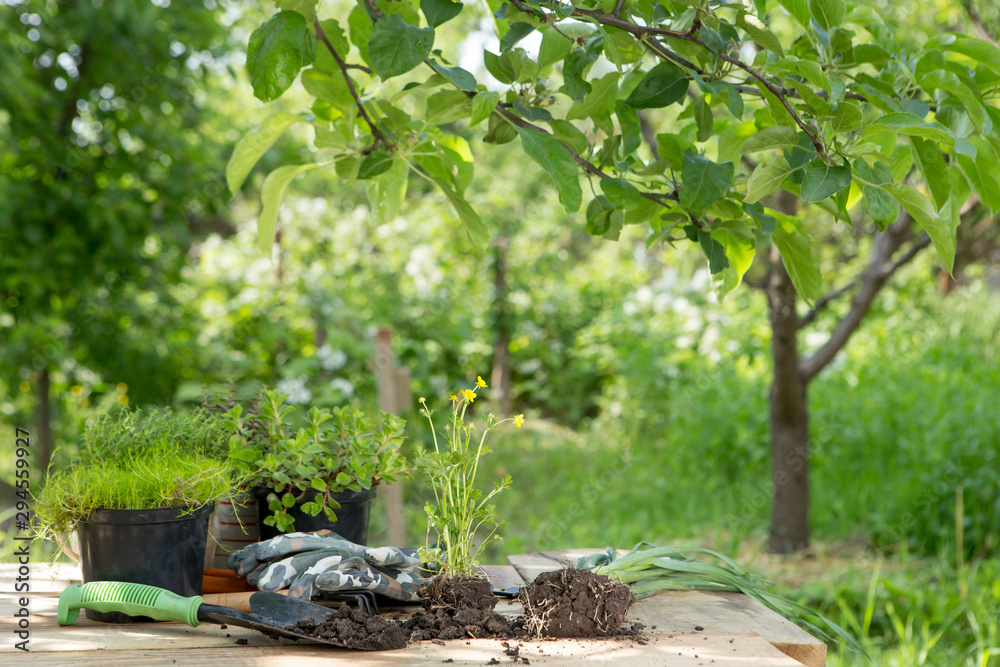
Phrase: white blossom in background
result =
(343, 386)
(295, 388)
(423, 268)
(331, 359)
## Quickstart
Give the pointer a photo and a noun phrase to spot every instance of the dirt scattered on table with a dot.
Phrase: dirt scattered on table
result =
(353, 628)
(577, 603)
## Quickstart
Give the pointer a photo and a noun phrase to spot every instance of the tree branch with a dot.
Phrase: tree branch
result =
(648, 133)
(640, 31)
(377, 136)
(373, 9)
(588, 166)
(824, 301)
(880, 268)
(977, 23)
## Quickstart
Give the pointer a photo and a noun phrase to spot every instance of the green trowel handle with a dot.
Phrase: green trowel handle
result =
(131, 599)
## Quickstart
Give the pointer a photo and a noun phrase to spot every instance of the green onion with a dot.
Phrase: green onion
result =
(649, 569)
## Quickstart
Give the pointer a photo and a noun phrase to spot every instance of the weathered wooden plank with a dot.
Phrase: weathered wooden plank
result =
(680, 611)
(677, 651)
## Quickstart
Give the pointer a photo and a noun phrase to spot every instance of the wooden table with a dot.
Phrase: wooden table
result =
(736, 631)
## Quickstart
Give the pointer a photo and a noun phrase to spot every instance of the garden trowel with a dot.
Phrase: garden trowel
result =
(272, 614)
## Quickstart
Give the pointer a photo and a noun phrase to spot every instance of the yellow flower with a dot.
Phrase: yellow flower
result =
(422, 399)
(122, 387)
(454, 398)
(480, 382)
(519, 421)
(469, 395)
(123, 399)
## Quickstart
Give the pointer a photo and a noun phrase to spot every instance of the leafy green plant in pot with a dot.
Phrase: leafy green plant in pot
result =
(139, 495)
(321, 475)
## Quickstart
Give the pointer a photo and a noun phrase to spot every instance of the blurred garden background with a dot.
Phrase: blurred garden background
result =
(129, 277)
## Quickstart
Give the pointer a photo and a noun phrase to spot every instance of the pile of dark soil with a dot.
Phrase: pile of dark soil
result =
(459, 608)
(577, 603)
(353, 628)
(564, 603)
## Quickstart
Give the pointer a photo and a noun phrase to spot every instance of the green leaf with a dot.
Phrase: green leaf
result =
(387, 191)
(796, 253)
(983, 173)
(882, 207)
(319, 484)
(799, 10)
(360, 26)
(343, 479)
(828, 14)
(287, 500)
(813, 71)
(271, 194)
(305, 7)
(483, 104)
(553, 49)
(375, 163)
(330, 88)
(911, 125)
(458, 76)
(929, 159)
(439, 11)
(923, 211)
(599, 215)
(324, 60)
(739, 244)
(599, 101)
(671, 148)
(821, 180)
(662, 86)
(733, 99)
(277, 51)
(716, 254)
(766, 178)
(253, 145)
(776, 136)
(621, 48)
(575, 66)
(759, 32)
(732, 139)
(447, 106)
(546, 150)
(977, 49)
(621, 193)
(846, 117)
(628, 119)
(477, 230)
(949, 82)
(703, 119)
(569, 134)
(515, 34)
(396, 47)
(704, 181)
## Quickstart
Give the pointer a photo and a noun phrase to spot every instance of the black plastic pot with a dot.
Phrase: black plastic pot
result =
(352, 517)
(158, 547)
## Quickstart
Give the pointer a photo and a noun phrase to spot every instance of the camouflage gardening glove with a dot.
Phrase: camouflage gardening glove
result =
(307, 563)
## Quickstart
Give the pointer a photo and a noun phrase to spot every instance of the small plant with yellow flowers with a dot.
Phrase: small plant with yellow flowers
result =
(460, 510)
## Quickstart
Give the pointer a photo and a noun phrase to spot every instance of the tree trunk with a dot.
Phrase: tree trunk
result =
(500, 379)
(44, 438)
(789, 414)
